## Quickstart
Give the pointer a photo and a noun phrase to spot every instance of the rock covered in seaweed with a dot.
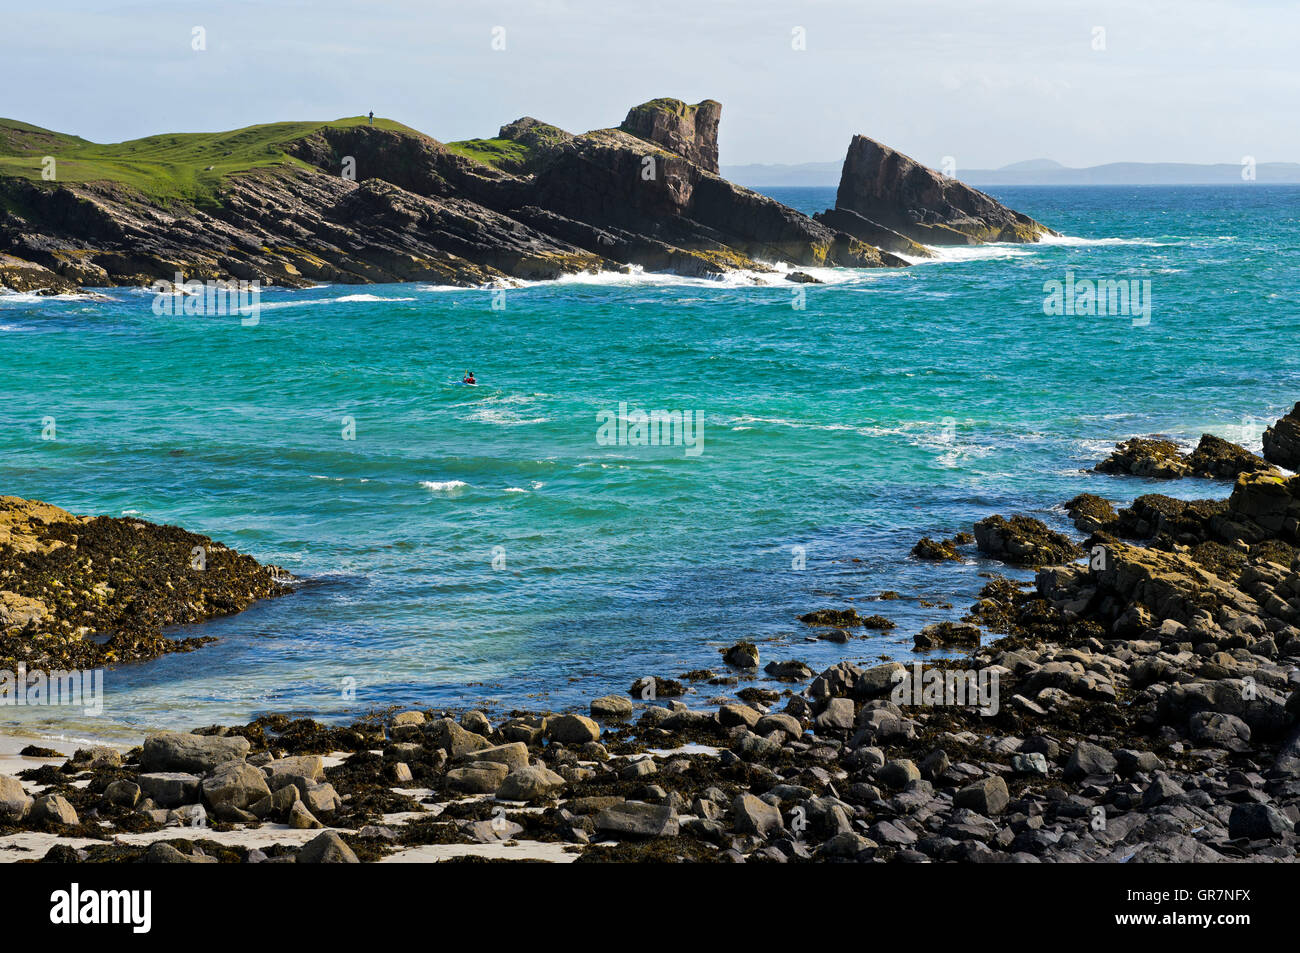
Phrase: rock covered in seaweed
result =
(65, 578)
(1146, 457)
(1157, 458)
(1023, 541)
(1282, 440)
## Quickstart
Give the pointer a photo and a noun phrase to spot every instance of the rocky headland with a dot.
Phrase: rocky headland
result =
(1139, 701)
(299, 203)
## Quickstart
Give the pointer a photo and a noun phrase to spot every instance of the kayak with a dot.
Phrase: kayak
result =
(465, 383)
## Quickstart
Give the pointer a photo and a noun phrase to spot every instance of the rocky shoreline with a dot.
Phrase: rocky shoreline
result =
(295, 204)
(1139, 702)
(80, 592)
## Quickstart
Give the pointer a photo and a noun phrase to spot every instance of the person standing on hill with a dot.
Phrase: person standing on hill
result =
(372, 117)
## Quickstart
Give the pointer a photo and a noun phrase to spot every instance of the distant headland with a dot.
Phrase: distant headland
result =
(364, 200)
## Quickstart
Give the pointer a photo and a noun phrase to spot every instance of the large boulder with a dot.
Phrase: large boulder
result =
(742, 655)
(572, 729)
(1088, 759)
(1218, 459)
(479, 777)
(1090, 513)
(54, 809)
(1023, 541)
(513, 755)
(452, 738)
(987, 796)
(326, 848)
(235, 784)
(895, 191)
(1152, 457)
(755, 816)
(1282, 440)
(636, 819)
(1257, 822)
(295, 770)
(611, 708)
(321, 798)
(197, 754)
(170, 788)
(529, 784)
(15, 802)
(1262, 506)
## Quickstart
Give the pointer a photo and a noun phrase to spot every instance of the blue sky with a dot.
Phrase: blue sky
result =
(984, 82)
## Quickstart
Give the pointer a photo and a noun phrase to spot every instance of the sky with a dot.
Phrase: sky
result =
(986, 83)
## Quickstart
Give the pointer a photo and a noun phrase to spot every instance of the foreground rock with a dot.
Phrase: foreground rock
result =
(179, 751)
(120, 581)
(1282, 440)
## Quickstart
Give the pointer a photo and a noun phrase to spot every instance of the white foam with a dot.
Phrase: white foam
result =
(29, 297)
(637, 276)
(1078, 240)
(368, 297)
(345, 299)
(959, 254)
(449, 487)
(744, 422)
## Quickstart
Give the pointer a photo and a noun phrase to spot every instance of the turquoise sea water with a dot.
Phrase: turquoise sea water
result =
(897, 403)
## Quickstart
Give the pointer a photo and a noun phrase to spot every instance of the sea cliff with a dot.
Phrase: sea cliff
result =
(358, 202)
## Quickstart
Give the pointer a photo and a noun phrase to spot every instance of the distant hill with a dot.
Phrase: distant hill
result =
(1034, 172)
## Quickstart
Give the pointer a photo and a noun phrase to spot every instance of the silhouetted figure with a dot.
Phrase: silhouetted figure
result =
(372, 117)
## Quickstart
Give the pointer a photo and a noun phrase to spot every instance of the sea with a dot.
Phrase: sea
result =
(651, 468)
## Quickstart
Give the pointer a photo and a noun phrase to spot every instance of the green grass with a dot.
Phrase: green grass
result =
(182, 166)
(504, 154)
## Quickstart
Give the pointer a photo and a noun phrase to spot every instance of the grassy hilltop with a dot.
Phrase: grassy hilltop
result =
(187, 166)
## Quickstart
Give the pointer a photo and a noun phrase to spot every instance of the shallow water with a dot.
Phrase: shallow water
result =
(896, 403)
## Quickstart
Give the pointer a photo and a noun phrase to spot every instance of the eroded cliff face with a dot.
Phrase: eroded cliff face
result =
(689, 131)
(895, 191)
(356, 203)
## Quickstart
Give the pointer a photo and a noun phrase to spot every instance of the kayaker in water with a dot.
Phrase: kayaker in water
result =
(469, 378)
